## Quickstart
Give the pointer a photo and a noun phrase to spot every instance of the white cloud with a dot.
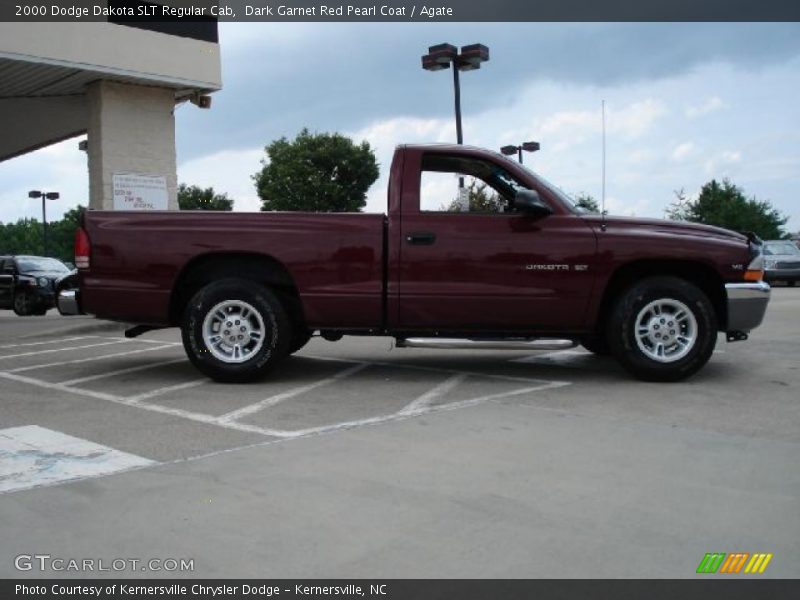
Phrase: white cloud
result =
(724, 164)
(228, 171)
(630, 121)
(682, 151)
(709, 105)
(384, 136)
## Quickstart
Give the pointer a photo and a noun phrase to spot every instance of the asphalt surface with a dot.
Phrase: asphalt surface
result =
(357, 459)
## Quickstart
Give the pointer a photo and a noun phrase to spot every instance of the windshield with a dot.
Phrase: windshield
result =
(781, 248)
(32, 263)
(557, 191)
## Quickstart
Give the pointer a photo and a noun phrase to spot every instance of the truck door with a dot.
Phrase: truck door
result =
(470, 262)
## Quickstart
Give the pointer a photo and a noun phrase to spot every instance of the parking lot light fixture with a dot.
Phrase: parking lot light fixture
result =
(445, 56)
(44, 196)
(526, 146)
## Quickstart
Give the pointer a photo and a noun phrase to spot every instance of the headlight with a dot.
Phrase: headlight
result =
(770, 263)
(43, 282)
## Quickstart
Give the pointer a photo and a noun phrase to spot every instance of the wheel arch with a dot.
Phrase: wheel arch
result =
(261, 268)
(698, 273)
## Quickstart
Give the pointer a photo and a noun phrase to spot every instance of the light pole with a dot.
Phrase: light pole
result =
(44, 196)
(526, 146)
(441, 57)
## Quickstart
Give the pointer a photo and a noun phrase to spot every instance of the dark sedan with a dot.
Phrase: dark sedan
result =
(28, 283)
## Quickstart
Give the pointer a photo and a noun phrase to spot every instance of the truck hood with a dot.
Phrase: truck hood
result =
(667, 226)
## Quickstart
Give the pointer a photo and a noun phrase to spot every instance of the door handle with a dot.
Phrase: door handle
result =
(421, 238)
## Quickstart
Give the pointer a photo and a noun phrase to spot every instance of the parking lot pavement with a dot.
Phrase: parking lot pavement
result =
(360, 459)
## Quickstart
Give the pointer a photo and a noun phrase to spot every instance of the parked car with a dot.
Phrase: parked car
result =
(28, 283)
(781, 261)
(247, 290)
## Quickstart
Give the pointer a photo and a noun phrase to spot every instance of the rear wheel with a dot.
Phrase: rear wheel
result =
(22, 304)
(662, 329)
(235, 330)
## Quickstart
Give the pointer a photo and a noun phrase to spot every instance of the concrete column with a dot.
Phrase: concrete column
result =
(131, 130)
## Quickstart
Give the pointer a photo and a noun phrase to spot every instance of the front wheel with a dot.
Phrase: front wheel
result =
(22, 304)
(662, 329)
(234, 330)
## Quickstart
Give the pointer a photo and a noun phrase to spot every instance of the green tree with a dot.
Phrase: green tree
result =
(725, 205)
(587, 202)
(22, 237)
(196, 198)
(318, 172)
(25, 236)
(481, 199)
(61, 234)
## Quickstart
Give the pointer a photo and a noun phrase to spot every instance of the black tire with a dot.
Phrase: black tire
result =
(22, 304)
(299, 339)
(621, 332)
(791, 282)
(277, 332)
(596, 344)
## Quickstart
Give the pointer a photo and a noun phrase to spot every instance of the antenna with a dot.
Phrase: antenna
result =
(603, 193)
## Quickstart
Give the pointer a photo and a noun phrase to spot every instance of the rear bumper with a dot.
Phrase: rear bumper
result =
(747, 303)
(69, 302)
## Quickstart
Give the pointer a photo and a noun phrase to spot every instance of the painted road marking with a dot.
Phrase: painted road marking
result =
(251, 409)
(57, 341)
(85, 360)
(552, 357)
(403, 415)
(434, 369)
(420, 406)
(123, 371)
(424, 402)
(37, 352)
(139, 339)
(131, 402)
(32, 456)
(167, 389)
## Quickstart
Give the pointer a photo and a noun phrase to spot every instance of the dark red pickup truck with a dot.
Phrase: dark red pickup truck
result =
(476, 251)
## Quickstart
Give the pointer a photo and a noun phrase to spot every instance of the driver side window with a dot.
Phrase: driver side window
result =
(465, 185)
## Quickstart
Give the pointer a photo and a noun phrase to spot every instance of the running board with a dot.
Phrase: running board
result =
(500, 344)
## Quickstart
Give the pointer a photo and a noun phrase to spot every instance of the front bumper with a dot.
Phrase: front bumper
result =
(782, 275)
(747, 303)
(69, 302)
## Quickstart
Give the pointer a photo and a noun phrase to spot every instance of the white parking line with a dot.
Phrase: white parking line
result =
(57, 341)
(434, 369)
(550, 357)
(423, 403)
(407, 415)
(51, 350)
(122, 371)
(167, 389)
(139, 339)
(85, 360)
(245, 411)
(131, 402)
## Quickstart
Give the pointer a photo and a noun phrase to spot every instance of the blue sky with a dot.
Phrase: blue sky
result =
(685, 103)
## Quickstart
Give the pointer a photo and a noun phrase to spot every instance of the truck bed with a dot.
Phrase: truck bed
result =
(334, 259)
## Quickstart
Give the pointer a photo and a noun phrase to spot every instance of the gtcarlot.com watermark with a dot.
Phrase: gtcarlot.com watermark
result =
(46, 562)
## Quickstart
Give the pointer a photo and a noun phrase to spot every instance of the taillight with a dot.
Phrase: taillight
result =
(82, 249)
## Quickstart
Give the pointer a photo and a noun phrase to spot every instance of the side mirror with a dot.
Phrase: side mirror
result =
(529, 202)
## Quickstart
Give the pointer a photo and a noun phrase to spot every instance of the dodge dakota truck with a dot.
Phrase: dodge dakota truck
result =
(475, 251)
